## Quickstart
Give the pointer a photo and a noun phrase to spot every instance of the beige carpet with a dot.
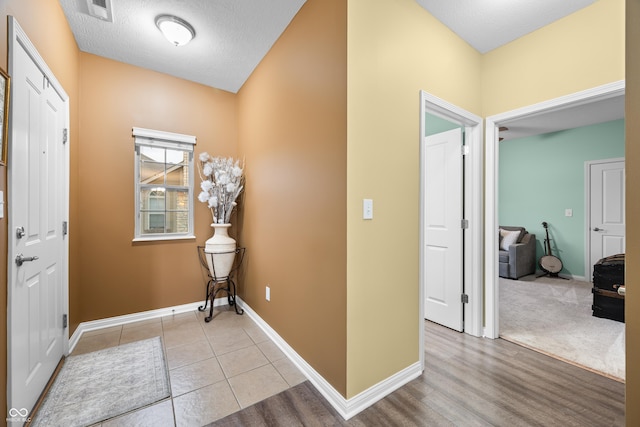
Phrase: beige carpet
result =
(554, 316)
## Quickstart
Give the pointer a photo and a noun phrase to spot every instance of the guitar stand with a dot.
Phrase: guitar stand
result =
(553, 275)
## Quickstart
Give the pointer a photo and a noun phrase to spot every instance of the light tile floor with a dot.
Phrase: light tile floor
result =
(215, 368)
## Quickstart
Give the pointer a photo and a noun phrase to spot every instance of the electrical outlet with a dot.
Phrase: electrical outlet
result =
(268, 294)
(568, 212)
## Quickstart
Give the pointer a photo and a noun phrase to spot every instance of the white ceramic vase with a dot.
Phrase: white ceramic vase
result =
(220, 250)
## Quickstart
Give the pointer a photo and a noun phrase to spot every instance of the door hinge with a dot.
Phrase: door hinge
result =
(465, 150)
(464, 224)
(65, 135)
(64, 228)
(465, 298)
(64, 321)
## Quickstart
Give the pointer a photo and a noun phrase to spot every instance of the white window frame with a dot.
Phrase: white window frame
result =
(161, 139)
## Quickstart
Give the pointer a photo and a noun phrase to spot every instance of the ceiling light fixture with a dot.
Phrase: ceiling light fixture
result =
(178, 31)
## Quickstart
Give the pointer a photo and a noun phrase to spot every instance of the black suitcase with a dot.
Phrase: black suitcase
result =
(608, 273)
(608, 276)
(608, 306)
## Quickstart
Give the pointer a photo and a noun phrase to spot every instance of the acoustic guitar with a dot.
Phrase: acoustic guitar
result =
(550, 264)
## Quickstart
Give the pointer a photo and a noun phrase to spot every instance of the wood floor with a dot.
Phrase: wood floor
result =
(467, 382)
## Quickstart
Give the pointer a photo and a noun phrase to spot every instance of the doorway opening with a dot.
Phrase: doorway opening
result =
(589, 99)
(473, 202)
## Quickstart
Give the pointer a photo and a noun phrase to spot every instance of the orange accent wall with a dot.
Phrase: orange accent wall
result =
(117, 276)
(293, 134)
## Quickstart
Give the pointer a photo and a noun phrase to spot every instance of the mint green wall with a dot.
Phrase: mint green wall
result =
(541, 176)
(434, 124)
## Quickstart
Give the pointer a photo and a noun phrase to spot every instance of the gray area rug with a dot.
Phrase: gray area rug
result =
(97, 386)
(554, 316)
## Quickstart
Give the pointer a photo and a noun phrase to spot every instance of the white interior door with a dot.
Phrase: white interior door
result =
(443, 261)
(38, 161)
(606, 210)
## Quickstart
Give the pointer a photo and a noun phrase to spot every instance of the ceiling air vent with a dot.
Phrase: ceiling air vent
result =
(100, 9)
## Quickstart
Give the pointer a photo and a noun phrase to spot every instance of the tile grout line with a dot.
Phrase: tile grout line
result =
(167, 323)
(173, 406)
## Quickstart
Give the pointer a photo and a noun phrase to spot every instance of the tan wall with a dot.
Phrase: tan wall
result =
(117, 276)
(47, 28)
(307, 172)
(632, 148)
(293, 135)
(578, 52)
(395, 49)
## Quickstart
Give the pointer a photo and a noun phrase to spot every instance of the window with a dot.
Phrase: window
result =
(163, 185)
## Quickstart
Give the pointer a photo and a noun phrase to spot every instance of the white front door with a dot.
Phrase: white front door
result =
(442, 160)
(606, 210)
(37, 171)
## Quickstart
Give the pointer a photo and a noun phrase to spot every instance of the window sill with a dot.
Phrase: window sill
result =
(164, 238)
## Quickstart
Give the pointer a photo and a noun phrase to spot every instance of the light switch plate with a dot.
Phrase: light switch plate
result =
(568, 212)
(367, 209)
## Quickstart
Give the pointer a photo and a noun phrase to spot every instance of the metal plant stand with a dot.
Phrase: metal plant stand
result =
(216, 284)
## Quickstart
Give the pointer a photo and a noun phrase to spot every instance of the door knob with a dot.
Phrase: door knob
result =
(22, 259)
(598, 229)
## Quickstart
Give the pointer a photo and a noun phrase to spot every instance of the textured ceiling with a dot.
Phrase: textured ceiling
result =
(488, 24)
(232, 36)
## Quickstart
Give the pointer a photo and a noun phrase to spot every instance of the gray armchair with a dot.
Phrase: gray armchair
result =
(520, 258)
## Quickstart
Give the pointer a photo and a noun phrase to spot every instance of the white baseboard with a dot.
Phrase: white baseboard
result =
(485, 333)
(134, 317)
(347, 408)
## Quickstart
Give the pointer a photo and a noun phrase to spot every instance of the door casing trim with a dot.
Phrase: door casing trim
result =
(473, 179)
(492, 123)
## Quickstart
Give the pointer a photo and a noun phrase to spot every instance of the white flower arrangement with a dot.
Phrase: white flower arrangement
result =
(222, 182)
